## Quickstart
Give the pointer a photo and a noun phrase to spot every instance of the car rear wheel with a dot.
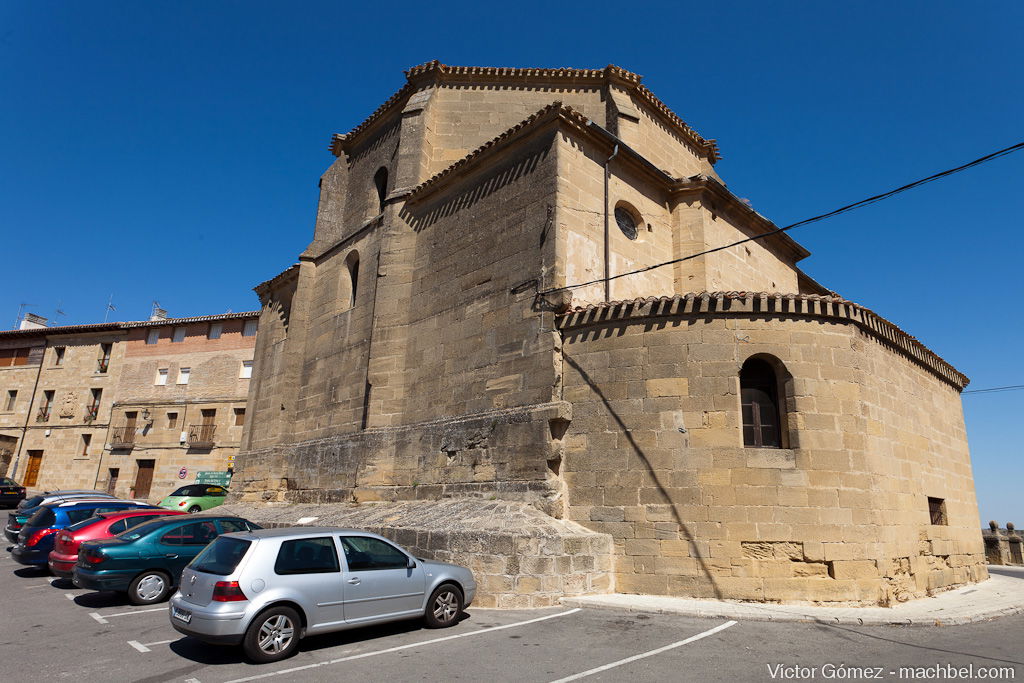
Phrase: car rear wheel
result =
(195, 508)
(444, 606)
(149, 587)
(273, 635)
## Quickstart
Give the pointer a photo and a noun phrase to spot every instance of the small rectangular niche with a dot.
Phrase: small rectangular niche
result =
(937, 511)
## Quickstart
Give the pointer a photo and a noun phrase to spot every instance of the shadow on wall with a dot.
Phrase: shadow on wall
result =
(502, 176)
(684, 530)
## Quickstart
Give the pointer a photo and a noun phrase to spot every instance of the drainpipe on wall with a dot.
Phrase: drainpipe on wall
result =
(607, 250)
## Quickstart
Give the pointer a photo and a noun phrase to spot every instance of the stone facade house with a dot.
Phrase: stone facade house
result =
(467, 323)
(124, 406)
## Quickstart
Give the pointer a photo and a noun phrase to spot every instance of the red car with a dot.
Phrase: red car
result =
(105, 525)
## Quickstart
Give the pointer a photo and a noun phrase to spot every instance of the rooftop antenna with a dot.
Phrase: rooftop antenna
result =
(21, 313)
(110, 307)
(58, 310)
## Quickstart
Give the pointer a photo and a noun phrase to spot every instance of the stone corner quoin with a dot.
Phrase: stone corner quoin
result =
(728, 426)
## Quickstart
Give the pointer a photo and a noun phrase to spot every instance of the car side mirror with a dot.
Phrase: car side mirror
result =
(411, 564)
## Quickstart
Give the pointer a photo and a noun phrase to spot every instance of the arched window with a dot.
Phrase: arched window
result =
(380, 182)
(763, 412)
(352, 266)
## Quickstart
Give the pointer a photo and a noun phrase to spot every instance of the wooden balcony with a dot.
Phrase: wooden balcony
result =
(201, 436)
(122, 437)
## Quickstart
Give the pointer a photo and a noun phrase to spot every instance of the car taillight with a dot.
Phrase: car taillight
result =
(38, 536)
(228, 591)
(93, 556)
(21, 490)
(15, 525)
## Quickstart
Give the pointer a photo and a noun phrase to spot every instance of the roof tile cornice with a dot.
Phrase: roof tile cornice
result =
(773, 304)
(436, 72)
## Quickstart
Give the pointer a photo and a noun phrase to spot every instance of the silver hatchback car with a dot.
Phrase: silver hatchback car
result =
(268, 588)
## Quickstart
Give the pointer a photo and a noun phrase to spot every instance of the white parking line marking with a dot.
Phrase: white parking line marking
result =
(644, 655)
(103, 618)
(145, 647)
(69, 596)
(403, 647)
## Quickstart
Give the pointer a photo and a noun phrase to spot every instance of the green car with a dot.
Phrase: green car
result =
(195, 498)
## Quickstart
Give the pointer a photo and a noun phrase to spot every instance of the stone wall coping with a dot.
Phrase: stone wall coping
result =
(454, 515)
(434, 72)
(775, 303)
(286, 274)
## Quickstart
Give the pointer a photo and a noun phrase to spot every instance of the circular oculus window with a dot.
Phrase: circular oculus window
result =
(626, 222)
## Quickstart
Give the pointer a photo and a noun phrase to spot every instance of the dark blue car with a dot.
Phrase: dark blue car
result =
(35, 540)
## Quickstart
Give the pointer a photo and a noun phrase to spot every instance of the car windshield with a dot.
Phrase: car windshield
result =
(191, 490)
(8, 482)
(221, 557)
(143, 529)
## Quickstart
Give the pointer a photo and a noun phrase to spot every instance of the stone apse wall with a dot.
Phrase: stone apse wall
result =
(654, 454)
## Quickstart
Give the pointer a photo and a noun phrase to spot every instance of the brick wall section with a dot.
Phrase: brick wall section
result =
(654, 457)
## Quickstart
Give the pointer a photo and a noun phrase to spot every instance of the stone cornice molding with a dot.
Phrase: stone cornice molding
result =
(264, 288)
(772, 304)
(435, 73)
(701, 186)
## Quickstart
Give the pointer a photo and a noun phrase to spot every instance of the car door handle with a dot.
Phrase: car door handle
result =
(354, 580)
(171, 555)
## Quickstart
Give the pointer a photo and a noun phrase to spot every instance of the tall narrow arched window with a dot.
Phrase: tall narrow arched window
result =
(763, 411)
(380, 182)
(352, 266)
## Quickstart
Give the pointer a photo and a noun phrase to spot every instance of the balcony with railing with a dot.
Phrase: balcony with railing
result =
(102, 365)
(201, 436)
(122, 437)
(44, 414)
(91, 411)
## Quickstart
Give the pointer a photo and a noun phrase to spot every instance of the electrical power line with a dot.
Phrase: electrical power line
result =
(992, 390)
(806, 221)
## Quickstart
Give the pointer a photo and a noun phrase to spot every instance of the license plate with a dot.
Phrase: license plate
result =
(181, 614)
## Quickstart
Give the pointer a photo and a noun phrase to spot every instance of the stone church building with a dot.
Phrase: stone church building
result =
(466, 324)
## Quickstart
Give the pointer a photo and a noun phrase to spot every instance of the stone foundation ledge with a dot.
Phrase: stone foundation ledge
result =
(996, 597)
(520, 556)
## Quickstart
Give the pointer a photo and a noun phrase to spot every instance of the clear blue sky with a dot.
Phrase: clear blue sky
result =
(170, 151)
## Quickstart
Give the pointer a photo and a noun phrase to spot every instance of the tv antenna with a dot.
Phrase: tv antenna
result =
(21, 313)
(110, 307)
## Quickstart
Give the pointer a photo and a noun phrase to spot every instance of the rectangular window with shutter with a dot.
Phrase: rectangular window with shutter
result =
(179, 335)
(246, 371)
(153, 336)
(183, 375)
(215, 330)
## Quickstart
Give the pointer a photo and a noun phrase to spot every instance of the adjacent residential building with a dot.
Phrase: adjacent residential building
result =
(481, 314)
(135, 408)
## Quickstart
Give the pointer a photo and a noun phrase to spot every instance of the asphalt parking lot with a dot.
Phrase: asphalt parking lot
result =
(52, 630)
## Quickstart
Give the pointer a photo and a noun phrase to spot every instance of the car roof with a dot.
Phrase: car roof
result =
(297, 531)
(141, 512)
(99, 501)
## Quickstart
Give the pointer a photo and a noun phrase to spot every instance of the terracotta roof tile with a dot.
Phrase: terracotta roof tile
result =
(441, 72)
(809, 305)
